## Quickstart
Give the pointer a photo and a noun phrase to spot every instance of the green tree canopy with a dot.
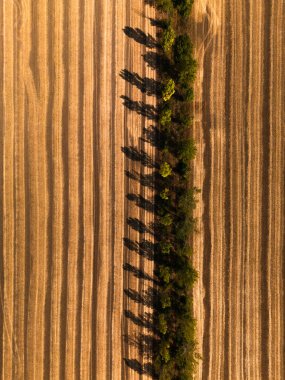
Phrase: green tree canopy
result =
(165, 117)
(168, 90)
(168, 38)
(186, 150)
(165, 169)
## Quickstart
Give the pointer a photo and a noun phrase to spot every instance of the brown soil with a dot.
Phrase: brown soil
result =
(239, 128)
(71, 305)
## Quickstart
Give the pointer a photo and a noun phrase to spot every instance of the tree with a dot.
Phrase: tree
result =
(183, 7)
(165, 169)
(185, 119)
(165, 300)
(186, 150)
(164, 194)
(187, 201)
(182, 51)
(168, 38)
(165, 247)
(189, 94)
(162, 324)
(164, 5)
(168, 90)
(164, 274)
(187, 74)
(166, 220)
(164, 351)
(165, 117)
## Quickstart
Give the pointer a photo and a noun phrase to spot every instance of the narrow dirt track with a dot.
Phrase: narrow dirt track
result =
(240, 132)
(75, 162)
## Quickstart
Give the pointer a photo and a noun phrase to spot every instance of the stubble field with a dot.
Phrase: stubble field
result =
(77, 104)
(239, 129)
(75, 255)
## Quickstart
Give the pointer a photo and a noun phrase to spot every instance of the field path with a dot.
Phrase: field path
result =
(77, 105)
(240, 132)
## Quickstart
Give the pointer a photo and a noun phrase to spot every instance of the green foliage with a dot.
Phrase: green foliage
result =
(168, 38)
(183, 7)
(165, 169)
(187, 201)
(164, 351)
(162, 324)
(186, 150)
(165, 117)
(164, 194)
(164, 273)
(187, 75)
(189, 94)
(168, 90)
(166, 220)
(184, 228)
(175, 354)
(165, 300)
(182, 51)
(164, 5)
(165, 247)
(187, 277)
(185, 119)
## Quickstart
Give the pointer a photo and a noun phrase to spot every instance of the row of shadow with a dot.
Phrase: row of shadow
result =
(146, 249)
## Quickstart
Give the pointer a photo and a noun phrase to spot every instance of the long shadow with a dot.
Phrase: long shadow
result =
(147, 86)
(143, 342)
(141, 202)
(153, 136)
(142, 369)
(139, 226)
(147, 298)
(157, 23)
(141, 37)
(147, 180)
(145, 248)
(158, 62)
(145, 320)
(143, 109)
(139, 155)
(139, 273)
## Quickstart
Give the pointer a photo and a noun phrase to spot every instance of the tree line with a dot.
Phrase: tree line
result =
(175, 353)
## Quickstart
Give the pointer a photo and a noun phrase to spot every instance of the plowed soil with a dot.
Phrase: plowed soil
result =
(240, 132)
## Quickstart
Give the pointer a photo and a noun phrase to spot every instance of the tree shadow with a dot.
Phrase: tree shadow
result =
(145, 248)
(153, 136)
(147, 86)
(147, 180)
(145, 320)
(143, 342)
(139, 155)
(139, 273)
(158, 62)
(143, 109)
(141, 202)
(142, 369)
(158, 23)
(139, 226)
(147, 297)
(141, 37)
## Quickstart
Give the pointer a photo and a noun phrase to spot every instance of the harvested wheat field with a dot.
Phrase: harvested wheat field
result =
(75, 172)
(240, 133)
(78, 105)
